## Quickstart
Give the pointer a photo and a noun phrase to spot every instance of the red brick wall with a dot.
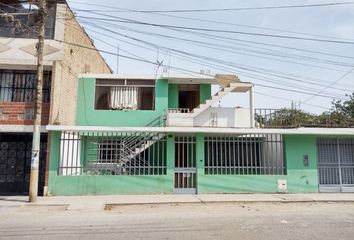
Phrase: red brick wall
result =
(19, 113)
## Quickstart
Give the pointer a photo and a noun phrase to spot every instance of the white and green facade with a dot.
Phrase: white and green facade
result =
(137, 134)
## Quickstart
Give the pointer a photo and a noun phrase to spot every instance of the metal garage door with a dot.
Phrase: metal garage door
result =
(15, 163)
(335, 164)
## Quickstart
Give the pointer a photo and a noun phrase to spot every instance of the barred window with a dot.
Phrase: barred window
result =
(112, 153)
(24, 24)
(252, 154)
(20, 86)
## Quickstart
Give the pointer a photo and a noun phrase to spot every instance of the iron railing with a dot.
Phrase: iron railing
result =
(20, 86)
(112, 153)
(293, 118)
(179, 110)
(252, 154)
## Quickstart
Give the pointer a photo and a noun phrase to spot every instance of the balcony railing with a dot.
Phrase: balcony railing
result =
(179, 110)
(294, 118)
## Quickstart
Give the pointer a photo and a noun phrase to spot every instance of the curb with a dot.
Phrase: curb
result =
(110, 206)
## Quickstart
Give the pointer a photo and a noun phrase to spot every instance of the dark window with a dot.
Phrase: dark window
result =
(23, 22)
(19, 86)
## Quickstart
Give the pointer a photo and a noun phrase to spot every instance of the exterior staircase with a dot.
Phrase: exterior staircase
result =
(132, 152)
(219, 95)
(130, 148)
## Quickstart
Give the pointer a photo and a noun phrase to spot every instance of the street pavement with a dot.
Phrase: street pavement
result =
(219, 220)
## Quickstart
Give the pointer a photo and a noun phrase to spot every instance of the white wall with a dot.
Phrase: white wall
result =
(20, 53)
(212, 117)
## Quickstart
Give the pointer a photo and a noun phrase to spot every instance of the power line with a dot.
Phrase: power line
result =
(244, 8)
(328, 86)
(244, 51)
(130, 21)
(146, 61)
(207, 59)
(288, 99)
(214, 60)
(182, 69)
(109, 9)
(241, 40)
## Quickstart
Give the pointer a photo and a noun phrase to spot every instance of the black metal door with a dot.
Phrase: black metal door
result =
(15, 163)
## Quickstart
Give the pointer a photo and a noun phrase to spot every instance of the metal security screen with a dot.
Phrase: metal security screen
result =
(252, 154)
(24, 25)
(185, 164)
(15, 163)
(335, 164)
(19, 86)
(112, 153)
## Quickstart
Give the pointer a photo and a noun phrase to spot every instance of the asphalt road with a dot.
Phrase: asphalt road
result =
(183, 221)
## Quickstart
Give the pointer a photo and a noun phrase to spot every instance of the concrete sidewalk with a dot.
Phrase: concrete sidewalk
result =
(110, 201)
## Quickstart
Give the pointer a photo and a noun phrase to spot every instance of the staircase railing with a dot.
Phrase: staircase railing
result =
(132, 143)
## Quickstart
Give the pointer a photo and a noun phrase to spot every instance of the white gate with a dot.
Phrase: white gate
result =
(185, 165)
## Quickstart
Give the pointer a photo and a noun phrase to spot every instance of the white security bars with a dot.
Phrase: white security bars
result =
(251, 154)
(185, 164)
(70, 152)
(112, 153)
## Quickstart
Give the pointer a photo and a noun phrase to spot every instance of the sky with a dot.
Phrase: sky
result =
(312, 77)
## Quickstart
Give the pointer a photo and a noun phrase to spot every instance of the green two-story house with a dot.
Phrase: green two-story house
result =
(146, 134)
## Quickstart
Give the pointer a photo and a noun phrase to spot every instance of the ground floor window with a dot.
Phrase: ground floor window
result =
(112, 153)
(251, 154)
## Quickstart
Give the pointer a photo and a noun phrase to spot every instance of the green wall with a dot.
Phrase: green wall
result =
(299, 178)
(99, 185)
(87, 116)
(172, 95)
(205, 92)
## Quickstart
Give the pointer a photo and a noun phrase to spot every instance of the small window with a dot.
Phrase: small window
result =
(122, 94)
(24, 25)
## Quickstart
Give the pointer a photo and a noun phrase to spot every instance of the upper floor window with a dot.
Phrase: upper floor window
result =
(20, 86)
(122, 94)
(23, 23)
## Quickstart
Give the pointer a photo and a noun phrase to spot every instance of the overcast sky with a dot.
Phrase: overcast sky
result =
(249, 57)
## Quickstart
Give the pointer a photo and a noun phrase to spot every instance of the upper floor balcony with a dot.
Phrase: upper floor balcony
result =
(209, 113)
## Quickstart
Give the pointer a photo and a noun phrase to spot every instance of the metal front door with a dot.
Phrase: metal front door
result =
(335, 164)
(185, 165)
(15, 163)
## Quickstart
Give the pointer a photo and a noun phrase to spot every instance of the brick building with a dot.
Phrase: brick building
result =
(64, 59)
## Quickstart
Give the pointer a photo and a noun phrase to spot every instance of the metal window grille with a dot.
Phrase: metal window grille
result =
(112, 153)
(24, 26)
(252, 154)
(20, 86)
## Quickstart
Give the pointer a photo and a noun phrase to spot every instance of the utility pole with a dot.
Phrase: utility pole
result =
(33, 188)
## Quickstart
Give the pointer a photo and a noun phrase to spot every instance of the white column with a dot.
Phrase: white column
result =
(251, 108)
